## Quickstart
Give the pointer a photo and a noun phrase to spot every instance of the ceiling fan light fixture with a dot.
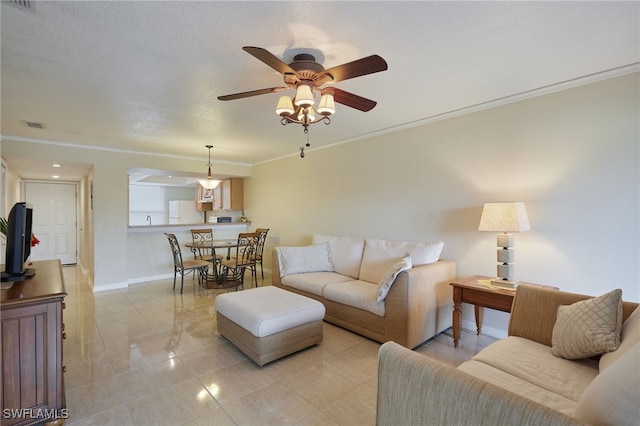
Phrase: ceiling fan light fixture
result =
(307, 76)
(285, 106)
(304, 96)
(327, 105)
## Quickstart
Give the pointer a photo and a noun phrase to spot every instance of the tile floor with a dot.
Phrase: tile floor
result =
(148, 355)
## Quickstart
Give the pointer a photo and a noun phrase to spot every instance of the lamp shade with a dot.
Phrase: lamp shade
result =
(310, 115)
(504, 217)
(327, 105)
(209, 183)
(304, 96)
(285, 106)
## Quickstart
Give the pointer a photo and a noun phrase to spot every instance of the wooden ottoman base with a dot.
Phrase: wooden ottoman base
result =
(269, 348)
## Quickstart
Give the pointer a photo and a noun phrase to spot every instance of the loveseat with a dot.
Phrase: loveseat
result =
(385, 290)
(526, 378)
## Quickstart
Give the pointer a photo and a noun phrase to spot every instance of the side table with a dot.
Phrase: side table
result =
(469, 290)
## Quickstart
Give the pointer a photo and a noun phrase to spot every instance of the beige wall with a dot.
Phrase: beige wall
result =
(571, 156)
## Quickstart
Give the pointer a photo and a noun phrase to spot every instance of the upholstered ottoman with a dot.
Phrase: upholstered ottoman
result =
(267, 323)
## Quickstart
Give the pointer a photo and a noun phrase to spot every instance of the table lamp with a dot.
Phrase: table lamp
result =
(505, 217)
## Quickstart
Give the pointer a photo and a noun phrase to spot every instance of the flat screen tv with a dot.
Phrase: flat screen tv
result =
(18, 243)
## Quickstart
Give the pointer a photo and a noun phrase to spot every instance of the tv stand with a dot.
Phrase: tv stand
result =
(27, 273)
(31, 375)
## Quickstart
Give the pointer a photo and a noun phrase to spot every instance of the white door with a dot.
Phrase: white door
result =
(54, 220)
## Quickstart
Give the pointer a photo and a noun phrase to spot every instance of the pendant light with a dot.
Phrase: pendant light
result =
(209, 182)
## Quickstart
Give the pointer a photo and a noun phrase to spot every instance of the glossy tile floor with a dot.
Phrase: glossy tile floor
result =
(148, 355)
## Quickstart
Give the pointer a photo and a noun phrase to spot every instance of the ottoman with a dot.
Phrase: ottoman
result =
(267, 323)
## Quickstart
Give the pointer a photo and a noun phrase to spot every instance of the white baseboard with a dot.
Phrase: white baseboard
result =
(107, 287)
(140, 280)
(489, 331)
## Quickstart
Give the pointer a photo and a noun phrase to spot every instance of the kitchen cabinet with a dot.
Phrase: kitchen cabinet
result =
(32, 331)
(228, 195)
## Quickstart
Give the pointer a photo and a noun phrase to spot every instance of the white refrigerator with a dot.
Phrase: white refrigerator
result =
(184, 212)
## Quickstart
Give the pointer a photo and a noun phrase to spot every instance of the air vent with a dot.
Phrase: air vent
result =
(35, 125)
(26, 4)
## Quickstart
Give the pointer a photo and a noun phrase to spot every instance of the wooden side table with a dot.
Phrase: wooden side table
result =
(468, 290)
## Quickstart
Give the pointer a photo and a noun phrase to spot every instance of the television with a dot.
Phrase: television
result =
(18, 243)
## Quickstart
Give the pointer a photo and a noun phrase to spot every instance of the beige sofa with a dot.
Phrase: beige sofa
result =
(518, 380)
(344, 273)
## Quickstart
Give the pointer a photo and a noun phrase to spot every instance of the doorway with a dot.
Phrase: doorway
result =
(55, 211)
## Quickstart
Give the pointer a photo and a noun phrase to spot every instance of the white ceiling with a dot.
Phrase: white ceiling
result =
(145, 76)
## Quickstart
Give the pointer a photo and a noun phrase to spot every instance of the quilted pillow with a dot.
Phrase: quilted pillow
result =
(589, 327)
(300, 260)
(390, 276)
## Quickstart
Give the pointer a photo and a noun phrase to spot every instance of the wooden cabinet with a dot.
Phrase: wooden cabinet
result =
(31, 330)
(204, 198)
(228, 195)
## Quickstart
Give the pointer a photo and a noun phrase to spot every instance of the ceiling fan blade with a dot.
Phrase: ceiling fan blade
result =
(269, 59)
(351, 100)
(250, 93)
(360, 67)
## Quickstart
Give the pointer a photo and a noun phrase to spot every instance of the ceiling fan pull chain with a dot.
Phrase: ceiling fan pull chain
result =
(302, 152)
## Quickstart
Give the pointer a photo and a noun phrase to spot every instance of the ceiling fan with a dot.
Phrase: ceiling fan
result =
(307, 76)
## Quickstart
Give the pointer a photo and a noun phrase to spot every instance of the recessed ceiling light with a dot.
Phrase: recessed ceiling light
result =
(55, 165)
(55, 176)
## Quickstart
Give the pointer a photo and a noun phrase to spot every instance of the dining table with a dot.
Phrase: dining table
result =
(214, 279)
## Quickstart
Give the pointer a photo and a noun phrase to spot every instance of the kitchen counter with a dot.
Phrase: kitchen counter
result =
(173, 227)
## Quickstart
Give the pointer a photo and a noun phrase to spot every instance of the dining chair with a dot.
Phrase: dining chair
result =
(204, 236)
(260, 250)
(185, 267)
(245, 258)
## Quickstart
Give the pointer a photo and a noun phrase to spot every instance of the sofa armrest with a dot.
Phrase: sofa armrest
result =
(420, 303)
(534, 310)
(414, 389)
(275, 269)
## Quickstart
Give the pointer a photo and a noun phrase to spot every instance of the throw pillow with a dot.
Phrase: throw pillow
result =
(346, 253)
(379, 255)
(390, 276)
(299, 260)
(589, 327)
(612, 398)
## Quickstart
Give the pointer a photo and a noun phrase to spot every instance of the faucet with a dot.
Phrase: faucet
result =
(149, 219)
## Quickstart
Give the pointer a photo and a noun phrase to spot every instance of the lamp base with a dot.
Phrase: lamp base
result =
(499, 282)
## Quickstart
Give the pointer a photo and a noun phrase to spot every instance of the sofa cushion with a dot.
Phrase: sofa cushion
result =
(629, 336)
(529, 369)
(613, 398)
(355, 293)
(346, 253)
(313, 282)
(589, 327)
(296, 260)
(379, 255)
(390, 276)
